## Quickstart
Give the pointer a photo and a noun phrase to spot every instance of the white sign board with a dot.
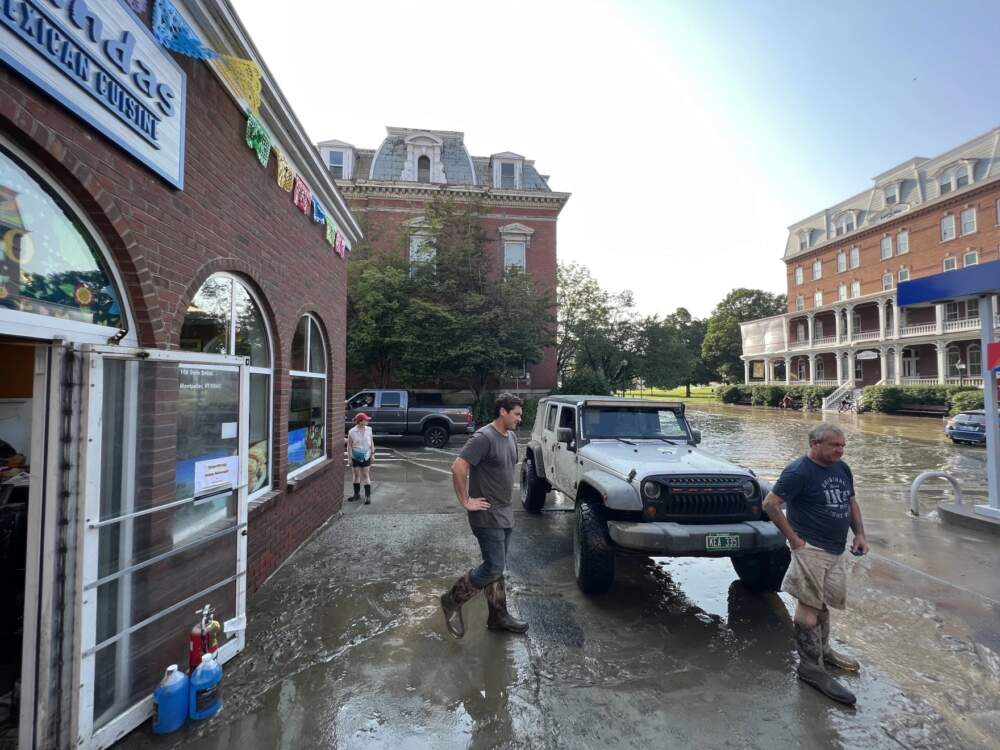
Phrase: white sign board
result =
(867, 355)
(100, 61)
(215, 473)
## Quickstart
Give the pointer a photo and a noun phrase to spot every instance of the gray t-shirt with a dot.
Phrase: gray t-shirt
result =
(492, 458)
(819, 501)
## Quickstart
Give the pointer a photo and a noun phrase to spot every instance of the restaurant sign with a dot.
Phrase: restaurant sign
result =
(99, 60)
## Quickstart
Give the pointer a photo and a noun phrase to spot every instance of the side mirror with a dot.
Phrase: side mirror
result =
(564, 435)
(696, 436)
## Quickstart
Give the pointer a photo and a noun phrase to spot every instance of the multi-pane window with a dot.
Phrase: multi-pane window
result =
(514, 254)
(975, 356)
(798, 275)
(891, 195)
(945, 185)
(335, 160)
(886, 281)
(902, 243)
(800, 303)
(817, 269)
(507, 178)
(950, 263)
(970, 258)
(947, 228)
(800, 332)
(886, 247)
(307, 403)
(841, 261)
(818, 329)
(855, 288)
(969, 221)
(962, 177)
(963, 310)
(903, 274)
(855, 257)
(818, 298)
(423, 169)
(842, 292)
(803, 242)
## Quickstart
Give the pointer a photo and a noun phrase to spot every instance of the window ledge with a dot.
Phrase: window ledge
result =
(306, 478)
(262, 500)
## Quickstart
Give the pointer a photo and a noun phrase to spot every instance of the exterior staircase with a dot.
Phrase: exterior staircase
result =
(833, 401)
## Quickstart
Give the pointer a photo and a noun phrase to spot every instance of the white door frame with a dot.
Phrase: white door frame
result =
(89, 530)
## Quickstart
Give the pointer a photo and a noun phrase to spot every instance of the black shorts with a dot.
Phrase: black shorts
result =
(361, 464)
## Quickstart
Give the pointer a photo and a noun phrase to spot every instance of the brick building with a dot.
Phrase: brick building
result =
(922, 217)
(172, 344)
(389, 188)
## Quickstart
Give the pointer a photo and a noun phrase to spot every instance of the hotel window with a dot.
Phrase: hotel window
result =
(947, 228)
(950, 263)
(855, 288)
(798, 275)
(903, 243)
(817, 270)
(424, 169)
(335, 161)
(307, 402)
(970, 258)
(841, 261)
(818, 329)
(514, 254)
(842, 291)
(945, 185)
(968, 221)
(886, 248)
(804, 241)
(855, 257)
(507, 178)
(891, 195)
(800, 303)
(818, 298)
(903, 274)
(800, 332)
(975, 357)
(887, 281)
(962, 177)
(845, 224)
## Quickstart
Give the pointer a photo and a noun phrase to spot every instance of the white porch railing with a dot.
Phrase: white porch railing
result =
(921, 330)
(832, 402)
(920, 381)
(965, 381)
(866, 336)
(825, 341)
(965, 324)
(826, 381)
(798, 345)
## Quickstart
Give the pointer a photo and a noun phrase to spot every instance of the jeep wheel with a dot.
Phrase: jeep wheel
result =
(593, 553)
(435, 436)
(532, 487)
(763, 571)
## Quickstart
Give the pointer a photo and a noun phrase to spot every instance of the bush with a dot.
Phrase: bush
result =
(530, 409)
(811, 396)
(585, 382)
(890, 398)
(965, 400)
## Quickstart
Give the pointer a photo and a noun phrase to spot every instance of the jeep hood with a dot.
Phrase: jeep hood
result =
(649, 458)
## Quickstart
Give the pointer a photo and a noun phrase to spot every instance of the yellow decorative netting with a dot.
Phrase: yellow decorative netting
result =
(244, 75)
(286, 177)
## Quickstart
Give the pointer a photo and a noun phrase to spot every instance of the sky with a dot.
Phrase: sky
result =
(690, 134)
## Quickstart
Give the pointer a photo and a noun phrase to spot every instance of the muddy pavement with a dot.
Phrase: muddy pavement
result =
(347, 646)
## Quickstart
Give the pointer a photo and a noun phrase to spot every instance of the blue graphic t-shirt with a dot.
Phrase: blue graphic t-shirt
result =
(818, 499)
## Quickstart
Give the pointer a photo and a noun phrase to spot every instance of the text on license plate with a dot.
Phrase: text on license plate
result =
(721, 542)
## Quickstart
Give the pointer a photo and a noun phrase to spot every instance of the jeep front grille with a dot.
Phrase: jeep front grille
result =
(701, 499)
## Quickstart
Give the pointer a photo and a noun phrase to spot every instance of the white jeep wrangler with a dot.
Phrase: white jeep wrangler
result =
(640, 485)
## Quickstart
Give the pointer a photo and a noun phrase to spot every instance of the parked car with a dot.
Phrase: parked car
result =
(640, 484)
(967, 427)
(398, 412)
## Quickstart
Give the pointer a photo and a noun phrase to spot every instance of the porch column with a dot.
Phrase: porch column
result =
(881, 320)
(746, 370)
(850, 367)
(895, 320)
(939, 318)
(840, 367)
(788, 370)
(838, 324)
(882, 353)
(898, 357)
(767, 371)
(812, 364)
(941, 362)
(849, 315)
(784, 330)
(810, 318)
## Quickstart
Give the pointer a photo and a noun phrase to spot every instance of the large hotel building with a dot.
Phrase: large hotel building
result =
(922, 217)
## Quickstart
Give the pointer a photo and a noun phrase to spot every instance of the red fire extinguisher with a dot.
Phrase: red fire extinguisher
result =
(206, 636)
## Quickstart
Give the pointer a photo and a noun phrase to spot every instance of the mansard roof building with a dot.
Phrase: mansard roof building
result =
(842, 328)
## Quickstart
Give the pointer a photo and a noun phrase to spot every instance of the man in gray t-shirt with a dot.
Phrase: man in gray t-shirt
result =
(483, 478)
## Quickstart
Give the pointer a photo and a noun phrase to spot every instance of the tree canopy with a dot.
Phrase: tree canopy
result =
(722, 343)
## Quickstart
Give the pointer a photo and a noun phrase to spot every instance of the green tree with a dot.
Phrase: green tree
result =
(723, 344)
(665, 360)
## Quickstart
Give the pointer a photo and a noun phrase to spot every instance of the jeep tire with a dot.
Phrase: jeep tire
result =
(763, 571)
(436, 435)
(533, 489)
(593, 552)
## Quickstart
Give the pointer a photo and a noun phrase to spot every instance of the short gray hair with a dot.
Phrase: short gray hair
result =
(818, 433)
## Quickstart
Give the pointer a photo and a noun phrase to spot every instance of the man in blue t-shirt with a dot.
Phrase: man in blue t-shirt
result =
(818, 490)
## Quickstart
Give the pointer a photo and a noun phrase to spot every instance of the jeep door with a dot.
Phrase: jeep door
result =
(565, 455)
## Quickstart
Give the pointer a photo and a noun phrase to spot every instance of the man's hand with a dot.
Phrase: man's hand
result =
(475, 503)
(796, 543)
(860, 545)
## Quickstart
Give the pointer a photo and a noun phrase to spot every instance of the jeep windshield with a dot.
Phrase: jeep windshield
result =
(613, 423)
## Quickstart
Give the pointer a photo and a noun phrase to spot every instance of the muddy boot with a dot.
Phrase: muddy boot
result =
(368, 494)
(452, 602)
(500, 618)
(356, 495)
(811, 671)
(830, 657)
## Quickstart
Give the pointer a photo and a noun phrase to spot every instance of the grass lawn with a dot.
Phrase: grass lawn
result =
(698, 393)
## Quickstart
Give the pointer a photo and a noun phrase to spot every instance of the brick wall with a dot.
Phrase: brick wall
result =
(924, 258)
(231, 216)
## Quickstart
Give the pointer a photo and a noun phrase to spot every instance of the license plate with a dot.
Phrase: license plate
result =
(721, 542)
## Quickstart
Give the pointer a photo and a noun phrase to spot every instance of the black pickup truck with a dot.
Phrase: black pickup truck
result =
(395, 412)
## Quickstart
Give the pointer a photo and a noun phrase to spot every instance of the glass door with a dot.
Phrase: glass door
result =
(165, 523)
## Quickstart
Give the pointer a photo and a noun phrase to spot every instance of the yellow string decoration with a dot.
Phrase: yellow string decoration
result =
(244, 76)
(286, 176)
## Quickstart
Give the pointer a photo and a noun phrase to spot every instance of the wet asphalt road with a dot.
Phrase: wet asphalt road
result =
(347, 648)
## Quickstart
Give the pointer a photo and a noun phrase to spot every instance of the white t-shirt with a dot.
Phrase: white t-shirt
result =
(362, 437)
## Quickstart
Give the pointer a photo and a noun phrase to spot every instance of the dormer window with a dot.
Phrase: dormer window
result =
(507, 175)
(845, 224)
(335, 161)
(891, 195)
(955, 177)
(507, 169)
(804, 239)
(339, 159)
(962, 177)
(423, 169)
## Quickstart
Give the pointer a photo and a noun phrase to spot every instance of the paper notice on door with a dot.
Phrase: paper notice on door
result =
(216, 473)
(229, 430)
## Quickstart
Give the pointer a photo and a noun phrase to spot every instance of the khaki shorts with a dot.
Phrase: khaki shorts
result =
(817, 578)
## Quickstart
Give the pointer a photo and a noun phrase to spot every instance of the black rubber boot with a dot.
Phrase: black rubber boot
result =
(452, 602)
(357, 493)
(368, 494)
(830, 657)
(810, 644)
(500, 618)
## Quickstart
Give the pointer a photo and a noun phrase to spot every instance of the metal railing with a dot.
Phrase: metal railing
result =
(915, 488)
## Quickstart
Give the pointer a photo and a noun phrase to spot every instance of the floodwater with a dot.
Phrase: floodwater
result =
(347, 648)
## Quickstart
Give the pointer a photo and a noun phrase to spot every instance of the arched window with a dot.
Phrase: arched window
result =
(423, 169)
(224, 318)
(307, 407)
(953, 357)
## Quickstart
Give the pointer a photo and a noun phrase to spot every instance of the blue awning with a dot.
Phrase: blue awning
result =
(973, 281)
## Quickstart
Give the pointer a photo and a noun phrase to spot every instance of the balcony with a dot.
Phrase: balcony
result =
(795, 346)
(926, 329)
(963, 324)
(825, 341)
(920, 381)
(976, 381)
(866, 335)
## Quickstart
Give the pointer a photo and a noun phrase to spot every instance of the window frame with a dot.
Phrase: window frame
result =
(842, 291)
(817, 269)
(946, 221)
(324, 376)
(799, 276)
(842, 261)
(800, 303)
(343, 163)
(855, 289)
(965, 258)
(430, 169)
(903, 274)
(954, 263)
(818, 298)
(516, 240)
(884, 245)
(970, 210)
(855, 257)
(887, 276)
(902, 242)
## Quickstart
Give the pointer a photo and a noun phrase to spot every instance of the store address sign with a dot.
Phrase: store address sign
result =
(99, 60)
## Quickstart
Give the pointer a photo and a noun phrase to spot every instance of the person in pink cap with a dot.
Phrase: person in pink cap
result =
(361, 448)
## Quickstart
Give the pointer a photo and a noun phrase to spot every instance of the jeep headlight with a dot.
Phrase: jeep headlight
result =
(651, 490)
(749, 488)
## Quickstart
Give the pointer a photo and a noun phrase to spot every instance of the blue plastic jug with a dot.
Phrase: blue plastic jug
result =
(170, 701)
(206, 692)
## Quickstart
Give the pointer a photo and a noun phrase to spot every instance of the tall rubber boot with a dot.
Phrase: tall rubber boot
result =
(452, 602)
(500, 618)
(368, 494)
(810, 645)
(830, 657)
(357, 493)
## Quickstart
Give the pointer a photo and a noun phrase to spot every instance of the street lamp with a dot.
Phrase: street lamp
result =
(960, 366)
